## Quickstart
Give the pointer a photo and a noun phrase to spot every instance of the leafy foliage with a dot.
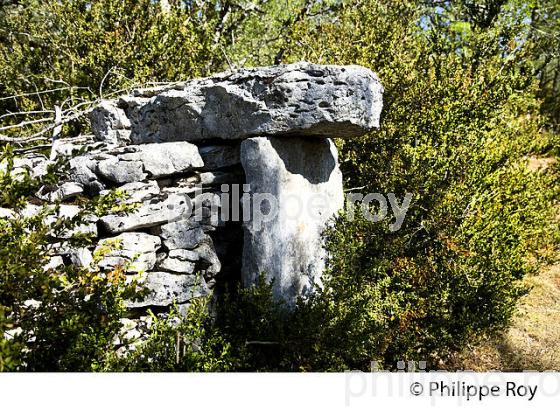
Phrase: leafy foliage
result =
(178, 341)
(459, 121)
(51, 318)
(74, 52)
(471, 96)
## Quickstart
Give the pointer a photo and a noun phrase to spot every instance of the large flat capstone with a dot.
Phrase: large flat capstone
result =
(300, 99)
(284, 240)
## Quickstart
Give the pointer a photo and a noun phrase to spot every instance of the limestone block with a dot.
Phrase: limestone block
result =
(164, 288)
(303, 99)
(136, 248)
(303, 177)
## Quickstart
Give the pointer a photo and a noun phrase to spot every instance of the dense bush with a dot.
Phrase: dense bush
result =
(176, 341)
(51, 318)
(459, 121)
(462, 116)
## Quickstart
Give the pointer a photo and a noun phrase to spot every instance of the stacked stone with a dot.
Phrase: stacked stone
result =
(166, 242)
(170, 147)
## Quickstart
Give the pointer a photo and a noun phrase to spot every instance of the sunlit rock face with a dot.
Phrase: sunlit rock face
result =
(284, 240)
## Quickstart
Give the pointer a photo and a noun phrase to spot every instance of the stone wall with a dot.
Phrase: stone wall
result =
(186, 154)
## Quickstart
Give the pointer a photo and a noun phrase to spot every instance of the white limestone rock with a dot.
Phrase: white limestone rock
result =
(180, 261)
(169, 158)
(31, 210)
(298, 99)
(303, 177)
(110, 123)
(110, 165)
(137, 248)
(65, 191)
(81, 257)
(53, 263)
(83, 171)
(135, 163)
(7, 213)
(207, 253)
(137, 191)
(70, 147)
(164, 288)
(183, 234)
(184, 254)
(121, 170)
(88, 225)
(150, 214)
(35, 165)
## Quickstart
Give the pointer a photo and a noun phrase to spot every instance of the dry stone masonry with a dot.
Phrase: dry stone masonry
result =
(186, 154)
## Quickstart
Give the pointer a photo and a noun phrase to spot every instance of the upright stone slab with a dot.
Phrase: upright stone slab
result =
(286, 243)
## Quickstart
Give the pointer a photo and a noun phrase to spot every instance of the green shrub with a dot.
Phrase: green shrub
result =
(459, 121)
(177, 341)
(51, 319)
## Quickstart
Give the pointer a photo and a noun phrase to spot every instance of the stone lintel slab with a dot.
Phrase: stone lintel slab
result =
(301, 99)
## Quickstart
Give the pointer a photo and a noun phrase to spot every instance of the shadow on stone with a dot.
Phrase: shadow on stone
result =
(300, 157)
